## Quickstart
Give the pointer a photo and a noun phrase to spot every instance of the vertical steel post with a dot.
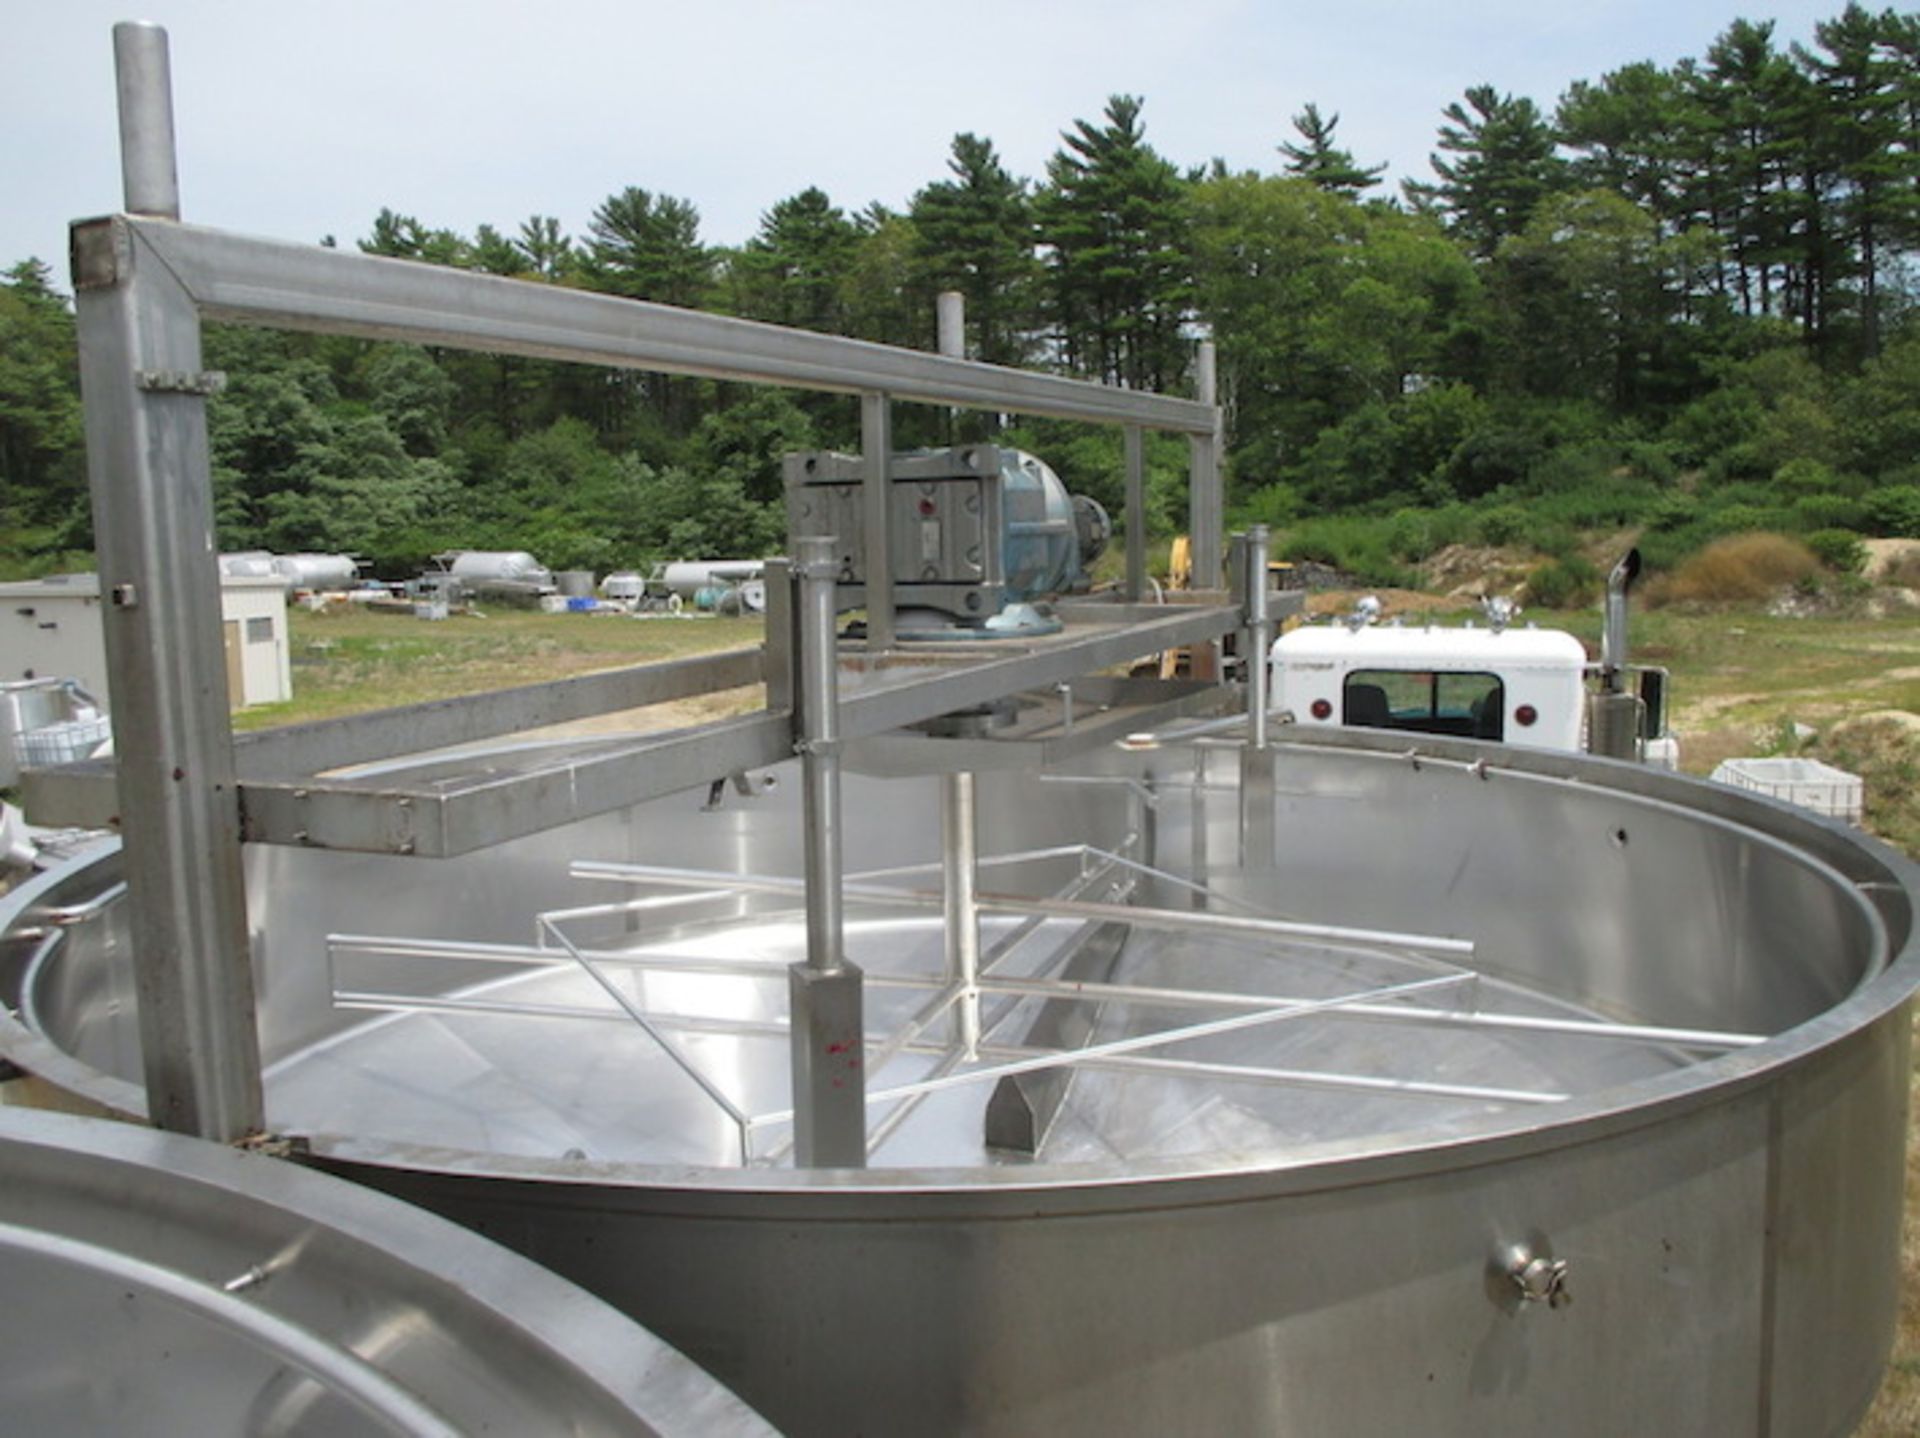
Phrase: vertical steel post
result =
(959, 843)
(1257, 836)
(828, 1034)
(782, 644)
(149, 176)
(876, 445)
(960, 872)
(1259, 634)
(950, 334)
(1136, 512)
(148, 471)
(950, 323)
(1206, 523)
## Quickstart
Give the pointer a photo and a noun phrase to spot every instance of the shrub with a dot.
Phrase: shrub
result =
(1828, 511)
(1570, 583)
(1673, 510)
(1805, 476)
(1277, 505)
(1663, 551)
(1357, 546)
(1574, 467)
(1742, 568)
(1839, 549)
(1650, 460)
(1503, 524)
(1749, 518)
(1894, 510)
(1413, 534)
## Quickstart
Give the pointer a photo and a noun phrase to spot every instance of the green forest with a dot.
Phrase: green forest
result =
(1677, 300)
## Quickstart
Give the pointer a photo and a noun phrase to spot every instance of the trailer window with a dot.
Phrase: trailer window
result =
(1467, 705)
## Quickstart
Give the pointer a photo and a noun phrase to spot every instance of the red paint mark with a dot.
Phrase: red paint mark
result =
(838, 1048)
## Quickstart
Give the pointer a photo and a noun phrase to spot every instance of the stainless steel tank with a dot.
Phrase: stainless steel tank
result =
(164, 1285)
(1507, 1091)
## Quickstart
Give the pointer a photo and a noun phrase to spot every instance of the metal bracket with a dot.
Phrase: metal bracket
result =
(99, 253)
(170, 381)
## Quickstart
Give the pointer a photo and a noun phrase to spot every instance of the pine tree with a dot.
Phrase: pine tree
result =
(794, 271)
(1864, 108)
(1505, 166)
(548, 249)
(646, 247)
(975, 234)
(1113, 220)
(1626, 130)
(1322, 162)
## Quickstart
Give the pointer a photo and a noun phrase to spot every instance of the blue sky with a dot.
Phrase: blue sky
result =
(298, 121)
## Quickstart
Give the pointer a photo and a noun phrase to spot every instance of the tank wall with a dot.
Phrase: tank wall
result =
(297, 897)
(1645, 911)
(1361, 1307)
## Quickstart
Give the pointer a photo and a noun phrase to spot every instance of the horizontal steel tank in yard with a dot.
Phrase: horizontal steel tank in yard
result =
(1633, 1165)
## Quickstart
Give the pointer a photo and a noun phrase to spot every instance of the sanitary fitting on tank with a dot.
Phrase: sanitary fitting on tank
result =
(1536, 1278)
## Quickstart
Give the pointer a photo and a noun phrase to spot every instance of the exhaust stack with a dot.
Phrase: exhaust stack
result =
(1613, 714)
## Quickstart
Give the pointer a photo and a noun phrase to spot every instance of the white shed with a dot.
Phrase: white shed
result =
(51, 628)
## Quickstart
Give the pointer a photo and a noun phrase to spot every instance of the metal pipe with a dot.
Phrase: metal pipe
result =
(828, 1029)
(819, 672)
(1160, 1038)
(1259, 636)
(1135, 444)
(1181, 920)
(876, 445)
(950, 322)
(143, 73)
(1613, 643)
(646, 1024)
(1206, 524)
(959, 856)
(1057, 908)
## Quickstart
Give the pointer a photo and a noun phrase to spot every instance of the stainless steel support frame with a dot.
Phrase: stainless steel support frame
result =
(960, 865)
(876, 499)
(1257, 837)
(143, 69)
(1206, 500)
(147, 463)
(827, 1038)
(304, 287)
(1134, 443)
(145, 281)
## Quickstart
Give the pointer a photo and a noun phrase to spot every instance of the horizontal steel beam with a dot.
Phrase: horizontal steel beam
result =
(927, 693)
(305, 287)
(84, 794)
(303, 749)
(446, 817)
(453, 807)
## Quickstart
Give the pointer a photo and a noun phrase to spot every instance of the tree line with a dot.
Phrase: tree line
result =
(1682, 300)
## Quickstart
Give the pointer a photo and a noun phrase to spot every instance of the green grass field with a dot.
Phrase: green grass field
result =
(352, 661)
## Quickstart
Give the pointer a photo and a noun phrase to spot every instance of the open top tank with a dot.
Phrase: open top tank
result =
(1428, 1089)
